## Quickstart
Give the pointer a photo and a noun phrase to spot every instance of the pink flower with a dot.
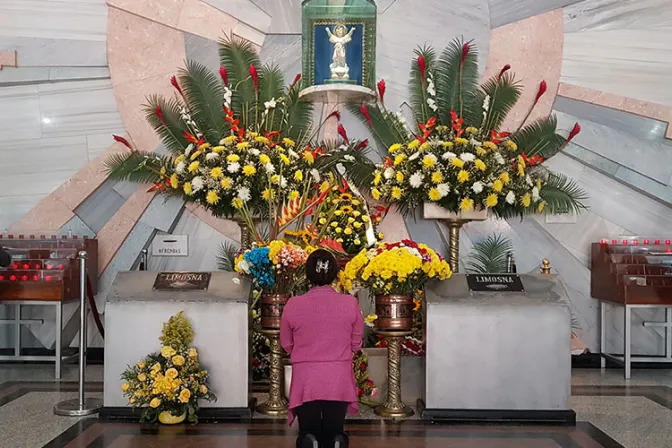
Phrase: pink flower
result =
(375, 392)
(381, 91)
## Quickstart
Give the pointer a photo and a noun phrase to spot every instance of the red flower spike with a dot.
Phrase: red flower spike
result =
(336, 114)
(574, 132)
(123, 141)
(223, 74)
(159, 113)
(465, 52)
(362, 145)
(381, 91)
(344, 186)
(255, 78)
(532, 161)
(365, 111)
(173, 81)
(498, 137)
(504, 69)
(189, 137)
(342, 133)
(542, 89)
(422, 65)
(388, 162)
(297, 78)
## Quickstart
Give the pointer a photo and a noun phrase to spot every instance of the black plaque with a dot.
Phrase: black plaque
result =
(495, 282)
(182, 281)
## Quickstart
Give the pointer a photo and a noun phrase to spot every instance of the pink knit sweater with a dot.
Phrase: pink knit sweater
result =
(321, 330)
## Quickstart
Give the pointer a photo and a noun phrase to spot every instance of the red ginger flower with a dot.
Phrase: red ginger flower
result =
(573, 133)
(255, 78)
(297, 78)
(223, 74)
(173, 81)
(123, 141)
(504, 69)
(342, 133)
(336, 114)
(381, 91)
(465, 52)
(422, 65)
(159, 113)
(365, 111)
(542, 89)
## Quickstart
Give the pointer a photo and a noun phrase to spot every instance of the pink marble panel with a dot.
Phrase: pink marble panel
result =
(226, 227)
(613, 101)
(50, 214)
(138, 48)
(7, 58)
(203, 20)
(162, 11)
(115, 231)
(533, 47)
(394, 227)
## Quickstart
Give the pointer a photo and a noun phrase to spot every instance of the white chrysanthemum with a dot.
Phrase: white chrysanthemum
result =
(477, 187)
(244, 194)
(535, 194)
(444, 189)
(197, 183)
(498, 158)
(233, 167)
(255, 152)
(528, 180)
(188, 149)
(388, 173)
(270, 169)
(416, 180)
(315, 174)
(448, 155)
(414, 156)
(211, 156)
(467, 157)
(474, 142)
(179, 169)
(510, 198)
(293, 154)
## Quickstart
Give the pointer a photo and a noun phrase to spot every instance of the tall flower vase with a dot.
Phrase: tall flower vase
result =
(454, 221)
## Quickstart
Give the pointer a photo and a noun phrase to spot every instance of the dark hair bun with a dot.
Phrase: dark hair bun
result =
(321, 268)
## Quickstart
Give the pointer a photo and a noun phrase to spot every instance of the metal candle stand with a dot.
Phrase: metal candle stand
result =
(81, 406)
(394, 407)
(276, 405)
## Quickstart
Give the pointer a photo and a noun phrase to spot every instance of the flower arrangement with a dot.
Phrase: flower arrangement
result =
(366, 389)
(276, 268)
(457, 156)
(394, 268)
(171, 381)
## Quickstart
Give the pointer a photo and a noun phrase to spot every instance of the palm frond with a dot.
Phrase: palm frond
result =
(457, 83)
(504, 93)
(387, 129)
(489, 256)
(539, 138)
(562, 195)
(204, 95)
(418, 86)
(236, 55)
(358, 167)
(226, 256)
(171, 132)
(136, 166)
(299, 114)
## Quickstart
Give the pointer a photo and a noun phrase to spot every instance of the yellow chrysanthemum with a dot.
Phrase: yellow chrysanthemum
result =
(237, 203)
(179, 159)
(497, 186)
(437, 177)
(538, 184)
(193, 166)
(285, 159)
(226, 183)
(521, 170)
(268, 194)
(466, 205)
(471, 130)
(424, 147)
(230, 139)
(414, 144)
(249, 170)
(491, 200)
(489, 145)
(264, 159)
(399, 176)
(461, 141)
(375, 193)
(294, 195)
(462, 176)
(218, 149)
(204, 146)
(480, 152)
(188, 189)
(398, 160)
(526, 200)
(162, 171)
(242, 146)
(174, 182)
(457, 163)
(309, 157)
(394, 148)
(298, 175)
(428, 161)
(397, 193)
(288, 142)
(212, 197)
(504, 177)
(447, 145)
(325, 186)
(262, 140)
(511, 145)
(480, 164)
(232, 158)
(434, 194)
(216, 172)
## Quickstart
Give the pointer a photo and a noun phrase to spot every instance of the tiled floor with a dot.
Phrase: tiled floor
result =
(611, 412)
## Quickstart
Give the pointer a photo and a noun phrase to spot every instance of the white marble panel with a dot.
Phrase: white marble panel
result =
(19, 113)
(23, 75)
(632, 63)
(13, 208)
(80, 73)
(96, 144)
(79, 108)
(285, 52)
(55, 52)
(600, 15)
(285, 15)
(33, 184)
(73, 19)
(503, 12)
(404, 26)
(43, 155)
(246, 11)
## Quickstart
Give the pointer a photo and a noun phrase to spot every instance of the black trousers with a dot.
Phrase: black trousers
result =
(323, 419)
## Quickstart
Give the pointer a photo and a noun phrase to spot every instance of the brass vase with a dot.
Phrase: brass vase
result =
(395, 313)
(272, 306)
(167, 418)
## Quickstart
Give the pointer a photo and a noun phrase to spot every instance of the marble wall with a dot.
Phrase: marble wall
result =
(73, 72)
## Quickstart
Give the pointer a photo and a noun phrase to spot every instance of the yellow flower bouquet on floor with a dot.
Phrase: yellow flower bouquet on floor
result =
(170, 381)
(394, 268)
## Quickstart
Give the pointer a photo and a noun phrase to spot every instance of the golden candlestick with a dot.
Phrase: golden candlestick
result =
(545, 266)
(276, 405)
(394, 407)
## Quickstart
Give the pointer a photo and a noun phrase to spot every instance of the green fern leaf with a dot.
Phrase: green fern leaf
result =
(226, 256)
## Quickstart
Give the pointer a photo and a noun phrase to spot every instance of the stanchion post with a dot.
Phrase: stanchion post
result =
(393, 407)
(80, 406)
